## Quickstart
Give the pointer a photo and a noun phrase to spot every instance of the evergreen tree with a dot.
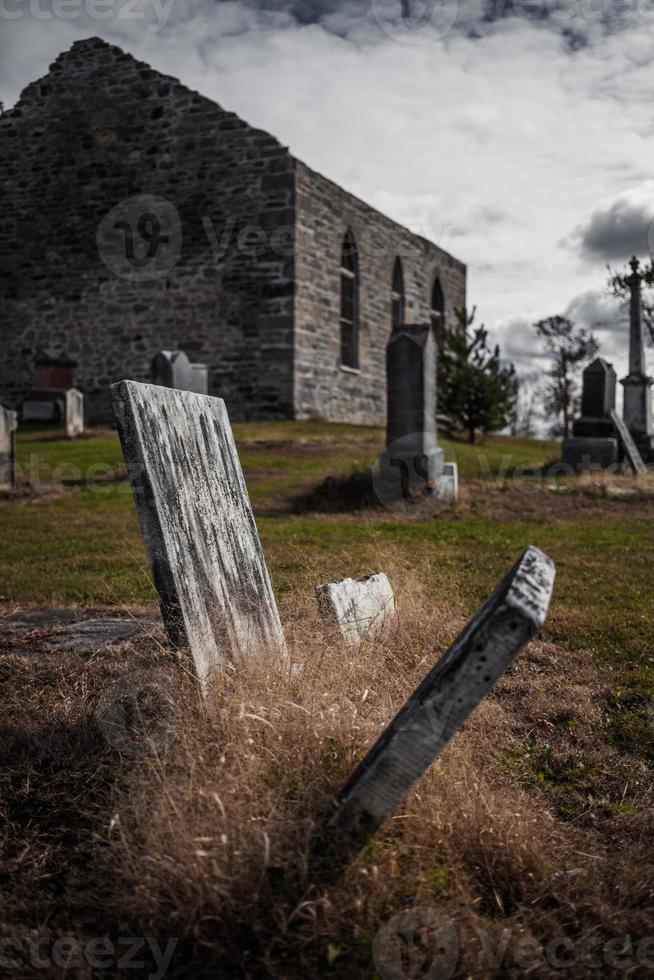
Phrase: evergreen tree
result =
(475, 388)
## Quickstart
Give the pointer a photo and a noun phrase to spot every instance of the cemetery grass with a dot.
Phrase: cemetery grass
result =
(533, 826)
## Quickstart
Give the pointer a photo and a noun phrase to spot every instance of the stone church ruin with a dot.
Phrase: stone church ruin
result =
(139, 216)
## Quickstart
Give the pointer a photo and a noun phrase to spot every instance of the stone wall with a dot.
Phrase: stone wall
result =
(254, 290)
(101, 128)
(324, 212)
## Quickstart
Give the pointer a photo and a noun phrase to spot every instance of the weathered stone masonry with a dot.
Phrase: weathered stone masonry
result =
(323, 214)
(255, 293)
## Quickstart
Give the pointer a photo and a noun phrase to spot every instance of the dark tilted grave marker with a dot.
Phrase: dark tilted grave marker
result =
(441, 704)
(197, 523)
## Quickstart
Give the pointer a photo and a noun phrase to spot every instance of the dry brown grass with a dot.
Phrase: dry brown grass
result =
(530, 826)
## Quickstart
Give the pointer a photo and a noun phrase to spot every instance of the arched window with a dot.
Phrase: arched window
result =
(437, 314)
(349, 303)
(397, 296)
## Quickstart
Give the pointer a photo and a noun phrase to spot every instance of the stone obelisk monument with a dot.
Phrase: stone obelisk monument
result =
(637, 385)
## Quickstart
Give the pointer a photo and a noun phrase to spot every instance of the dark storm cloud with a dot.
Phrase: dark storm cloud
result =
(614, 233)
(575, 20)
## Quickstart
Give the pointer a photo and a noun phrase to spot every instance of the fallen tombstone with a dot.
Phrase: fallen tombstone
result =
(442, 702)
(362, 608)
(93, 635)
(197, 524)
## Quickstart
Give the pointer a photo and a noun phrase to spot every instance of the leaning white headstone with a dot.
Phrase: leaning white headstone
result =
(73, 412)
(8, 423)
(362, 608)
(197, 523)
(441, 704)
(629, 447)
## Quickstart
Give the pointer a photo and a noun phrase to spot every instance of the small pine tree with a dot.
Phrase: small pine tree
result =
(475, 389)
(569, 346)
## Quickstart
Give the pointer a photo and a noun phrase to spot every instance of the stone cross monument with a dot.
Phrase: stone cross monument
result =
(637, 385)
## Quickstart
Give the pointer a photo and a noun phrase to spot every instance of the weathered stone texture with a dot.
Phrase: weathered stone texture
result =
(255, 292)
(324, 213)
(100, 128)
(361, 608)
(197, 524)
(445, 698)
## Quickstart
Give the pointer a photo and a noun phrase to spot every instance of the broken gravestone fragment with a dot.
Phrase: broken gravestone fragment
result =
(362, 607)
(198, 526)
(443, 701)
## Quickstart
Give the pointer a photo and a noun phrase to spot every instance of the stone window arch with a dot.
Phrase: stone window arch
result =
(349, 302)
(437, 313)
(397, 295)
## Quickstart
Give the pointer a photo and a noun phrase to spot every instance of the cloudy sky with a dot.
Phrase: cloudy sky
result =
(515, 133)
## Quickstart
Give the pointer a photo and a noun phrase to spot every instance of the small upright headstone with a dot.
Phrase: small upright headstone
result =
(593, 441)
(73, 413)
(199, 378)
(597, 400)
(412, 464)
(172, 369)
(197, 523)
(362, 608)
(8, 423)
(443, 701)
